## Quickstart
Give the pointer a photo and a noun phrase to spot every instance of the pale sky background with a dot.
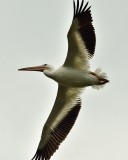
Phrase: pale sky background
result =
(33, 32)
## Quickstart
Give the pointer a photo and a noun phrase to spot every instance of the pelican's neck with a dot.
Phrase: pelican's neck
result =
(50, 73)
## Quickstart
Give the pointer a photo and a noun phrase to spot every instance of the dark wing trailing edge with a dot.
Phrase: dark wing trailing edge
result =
(58, 134)
(86, 29)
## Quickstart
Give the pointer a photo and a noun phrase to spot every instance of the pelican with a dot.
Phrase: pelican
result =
(72, 77)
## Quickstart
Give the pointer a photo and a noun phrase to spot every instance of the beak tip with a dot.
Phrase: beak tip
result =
(20, 69)
(36, 68)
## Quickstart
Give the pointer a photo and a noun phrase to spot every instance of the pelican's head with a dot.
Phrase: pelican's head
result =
(40, 68)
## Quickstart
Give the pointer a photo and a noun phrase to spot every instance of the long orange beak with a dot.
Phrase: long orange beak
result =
(35, 68)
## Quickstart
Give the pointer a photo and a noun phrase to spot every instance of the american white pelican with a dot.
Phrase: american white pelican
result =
(71, 77)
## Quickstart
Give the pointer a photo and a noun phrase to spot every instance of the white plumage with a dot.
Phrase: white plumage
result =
(71, 77)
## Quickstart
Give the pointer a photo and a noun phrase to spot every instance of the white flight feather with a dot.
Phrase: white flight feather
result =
(81, 60)
(71, 96)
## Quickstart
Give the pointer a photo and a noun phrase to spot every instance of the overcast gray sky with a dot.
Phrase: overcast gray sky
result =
(33, 32)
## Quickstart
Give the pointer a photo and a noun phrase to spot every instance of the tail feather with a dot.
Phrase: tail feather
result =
(101, 74)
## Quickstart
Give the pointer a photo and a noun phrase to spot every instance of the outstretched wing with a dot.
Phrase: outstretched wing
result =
(59, 122)
(81, 38)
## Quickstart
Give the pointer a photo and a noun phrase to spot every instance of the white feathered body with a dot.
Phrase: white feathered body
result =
(70, 77)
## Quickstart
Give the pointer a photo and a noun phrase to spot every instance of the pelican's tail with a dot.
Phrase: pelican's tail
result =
(103, 79)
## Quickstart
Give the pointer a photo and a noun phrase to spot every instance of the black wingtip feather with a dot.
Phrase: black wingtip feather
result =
(83, 10)
(81, 6)
(78, 9)
(74, 7)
